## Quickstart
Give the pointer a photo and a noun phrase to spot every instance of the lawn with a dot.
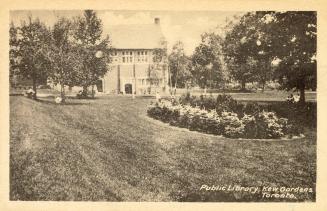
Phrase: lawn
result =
(269, 95)
(107, 149)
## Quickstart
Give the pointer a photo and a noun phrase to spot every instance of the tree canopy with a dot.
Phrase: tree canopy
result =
(34, 37)
(206, 60)
(267, 45)
(63, 56)
(179, 65)
(88, 40)
(295, 47)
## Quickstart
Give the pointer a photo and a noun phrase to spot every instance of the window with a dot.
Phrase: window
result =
(114, 56)
(114, 53)
(146, 56)
(142, 56)
(127, 56)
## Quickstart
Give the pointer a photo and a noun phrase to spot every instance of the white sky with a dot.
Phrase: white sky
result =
(186, 26)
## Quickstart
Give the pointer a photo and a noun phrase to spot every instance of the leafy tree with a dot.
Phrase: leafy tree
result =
(287, 39)
(207, 61)
(34, 37)
(63, 56)
(179, 65)
(259, 42)
(241, 50)
(295, 46)
(14, 55)
(88, 39)
(157, 70)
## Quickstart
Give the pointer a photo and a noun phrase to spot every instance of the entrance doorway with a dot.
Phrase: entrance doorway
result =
(128, 88)
(99, 86)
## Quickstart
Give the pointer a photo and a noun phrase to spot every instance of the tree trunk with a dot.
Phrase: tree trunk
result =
(62, 93)
(84, 92)
(170, 82)
(34, 88)
(150, 81)
(302, 92)
(150, 86)
(243, 85)
(93, 94)
(175, 86)
(177, 70)
(263, 86)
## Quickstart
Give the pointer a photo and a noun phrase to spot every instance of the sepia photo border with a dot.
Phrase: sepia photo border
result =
(215, 5)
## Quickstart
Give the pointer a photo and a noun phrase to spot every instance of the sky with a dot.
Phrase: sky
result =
(186, 26)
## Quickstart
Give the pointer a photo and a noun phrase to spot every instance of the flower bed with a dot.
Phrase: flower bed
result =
(254, 124)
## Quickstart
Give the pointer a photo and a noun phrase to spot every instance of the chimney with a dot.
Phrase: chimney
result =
(157, 21)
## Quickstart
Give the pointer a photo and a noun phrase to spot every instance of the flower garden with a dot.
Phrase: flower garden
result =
(223, 116)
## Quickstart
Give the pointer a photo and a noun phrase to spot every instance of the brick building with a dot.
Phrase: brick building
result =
(132, 68)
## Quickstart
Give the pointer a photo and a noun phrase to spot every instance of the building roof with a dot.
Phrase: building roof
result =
(145, 36)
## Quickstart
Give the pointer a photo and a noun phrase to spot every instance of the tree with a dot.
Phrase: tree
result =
(179, 65)
(159, 65)
(63, 56)
(286, 39)
(93, 50)
(14, 55)
(247, 49)
(295, 47)
(207, 61)
(34, 37)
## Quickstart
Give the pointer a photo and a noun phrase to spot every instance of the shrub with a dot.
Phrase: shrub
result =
(233, 126)
(250, 128)
(249, 121)
(214, 123)
(251, 108)
(154, 111)
(225, 103)
(268, 125)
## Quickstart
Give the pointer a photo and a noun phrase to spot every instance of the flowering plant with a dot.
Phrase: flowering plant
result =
(261, 124)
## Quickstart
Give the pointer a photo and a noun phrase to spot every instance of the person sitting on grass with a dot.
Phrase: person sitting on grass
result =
(296, 98)
(290, 98)
(30, 92)
(158, 97)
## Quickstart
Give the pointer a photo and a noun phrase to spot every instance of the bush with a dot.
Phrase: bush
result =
(250, 127)
(89, 94)
(233, 126)
(225, 103)
(252, 108)
(259, 124)
(268, 125)
(220, 104)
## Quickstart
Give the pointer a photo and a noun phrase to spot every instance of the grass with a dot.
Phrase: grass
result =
(269, 95)
(109, 150)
